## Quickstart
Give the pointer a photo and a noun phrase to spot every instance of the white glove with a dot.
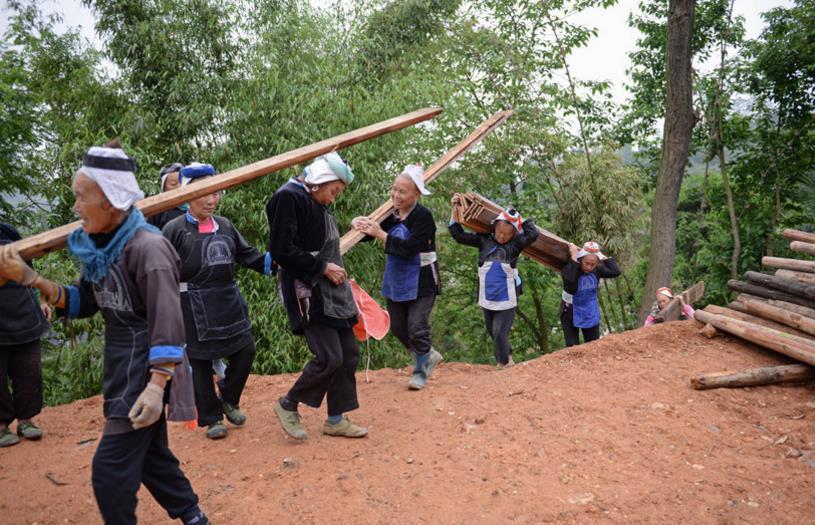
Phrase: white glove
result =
(148, 406)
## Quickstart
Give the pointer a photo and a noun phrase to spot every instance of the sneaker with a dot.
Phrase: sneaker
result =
(417, 381)
(345, 429)
(233, 414)
(8, 438)
(434, 359)
(217, 430)
(29, 430)
(290, 421)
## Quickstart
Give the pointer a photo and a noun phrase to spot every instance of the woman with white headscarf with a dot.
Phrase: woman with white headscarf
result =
(130, 275)
(305, 243)
(664, 297)
(411, 280)
(579, 307)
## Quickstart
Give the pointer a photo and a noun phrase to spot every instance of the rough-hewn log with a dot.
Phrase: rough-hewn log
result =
(808, 278)
(673, 311)
(736, 311)
(795, 308)
(352, 237)
(767, 310)
(767, 375)
(768, 293)
(789, 264)
(779, 283)
(789, 345)
(798, 235)
(803, 247)
(51, 240)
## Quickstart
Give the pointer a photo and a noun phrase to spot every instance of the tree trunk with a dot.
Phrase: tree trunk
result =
(734, 312)
(798, 235)
(679, 123)
(789, 264)
(780, 315)
(803, 277)
(803, 247)
(791, 346)
(768, 375)
(768, 293)
(785, 285)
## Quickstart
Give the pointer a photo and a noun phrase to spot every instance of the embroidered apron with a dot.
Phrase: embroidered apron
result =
(586, 310)
(401, 279)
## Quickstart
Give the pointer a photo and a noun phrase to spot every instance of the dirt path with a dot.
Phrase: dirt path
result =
(610, 432)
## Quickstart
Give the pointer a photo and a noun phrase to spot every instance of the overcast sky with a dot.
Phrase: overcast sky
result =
(605, 58)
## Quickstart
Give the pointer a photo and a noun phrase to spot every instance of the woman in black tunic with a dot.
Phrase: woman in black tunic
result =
(305, 243)
(216, 319)
(22, 323)
(170, 180)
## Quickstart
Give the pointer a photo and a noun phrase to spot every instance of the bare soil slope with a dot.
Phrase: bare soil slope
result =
(609, 432)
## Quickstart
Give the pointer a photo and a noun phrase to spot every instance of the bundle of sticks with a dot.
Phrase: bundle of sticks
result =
(476, 212)
(776, 311)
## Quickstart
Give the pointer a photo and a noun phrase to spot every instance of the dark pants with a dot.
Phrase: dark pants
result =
(124, 461)
(331, 373)
(571, 332)
(207, 403)
(410, 322)
(499, 322)
(21, 365)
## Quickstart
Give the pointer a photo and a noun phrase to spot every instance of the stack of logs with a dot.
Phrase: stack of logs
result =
(477, 212)
(774, 311)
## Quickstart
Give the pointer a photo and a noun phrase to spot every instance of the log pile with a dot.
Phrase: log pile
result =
(476, 212)
(774, 311)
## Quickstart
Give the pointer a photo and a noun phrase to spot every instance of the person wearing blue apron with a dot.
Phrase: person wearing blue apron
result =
(499, 284)
(130, 276)
(23, 321)
(579, 308)
(305, 243)
(216, 318)
(411, 280)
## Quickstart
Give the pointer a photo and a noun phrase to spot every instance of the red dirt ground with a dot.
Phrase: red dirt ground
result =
(609, 432)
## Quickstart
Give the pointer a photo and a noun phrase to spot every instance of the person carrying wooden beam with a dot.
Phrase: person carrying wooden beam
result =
(579, 307)
(411, 281)
(305, 242)
(664, 296)
(130, 275)
(216, 318)
(170, 180)
(499, 284)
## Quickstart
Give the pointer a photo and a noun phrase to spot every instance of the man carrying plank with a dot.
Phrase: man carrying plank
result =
(130, 274)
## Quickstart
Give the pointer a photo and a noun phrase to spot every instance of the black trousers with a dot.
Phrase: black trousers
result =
(572, 333)
(410, 322)
(499, 322)
(124, 461)
(20, 381)
(238, 367)
(331, 374)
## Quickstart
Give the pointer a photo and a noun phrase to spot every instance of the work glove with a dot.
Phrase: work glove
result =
(148, 406)
(14, 268)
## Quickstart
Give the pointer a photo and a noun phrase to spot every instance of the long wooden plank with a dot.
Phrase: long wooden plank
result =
(798, 235)
(789, 264)
(352, 237)
(42, 243)
(673, 311)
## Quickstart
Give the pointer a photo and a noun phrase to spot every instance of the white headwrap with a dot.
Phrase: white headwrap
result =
(114, 172)
(416, 174)
(327, 168)
(590, 248)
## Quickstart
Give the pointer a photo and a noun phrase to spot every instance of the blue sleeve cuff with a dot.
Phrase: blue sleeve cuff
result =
(166, 354)
(73, 301)
(267, 264)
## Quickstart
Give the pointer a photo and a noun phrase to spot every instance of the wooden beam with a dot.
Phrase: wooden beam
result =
(780, 315)
(779, 283)
(808, 278)
(737, 311)
(789, 345)
(40, 244)
(803, 247)
(789, 264)
(352, 237)
(767, 375)
(768, 293)
(673, 310)
(798, 235)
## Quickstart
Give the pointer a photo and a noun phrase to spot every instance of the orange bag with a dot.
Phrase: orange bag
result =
(373, 320)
